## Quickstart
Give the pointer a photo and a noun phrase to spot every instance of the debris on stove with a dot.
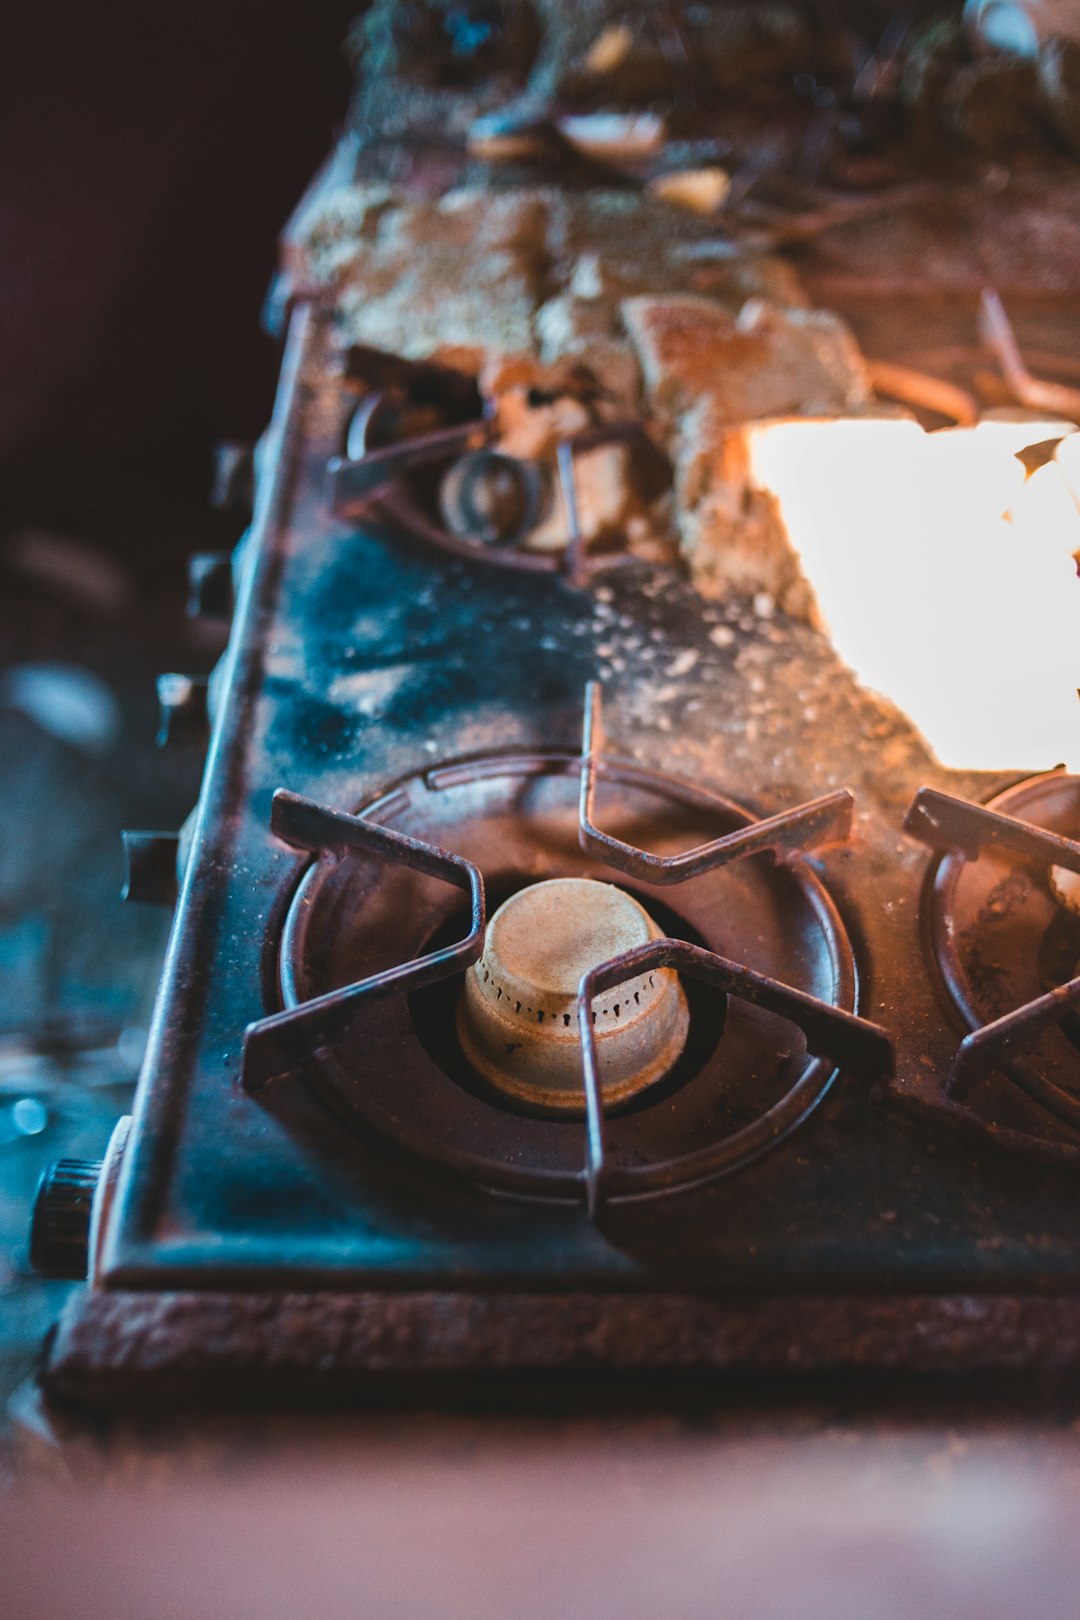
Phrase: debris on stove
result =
(709, 375)
(620, 500)
(463, 270)
(696, 217)
(702, 191)
(613, 82)
(704, 345)
(440, 63)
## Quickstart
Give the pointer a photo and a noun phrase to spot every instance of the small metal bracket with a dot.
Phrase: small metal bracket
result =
(353, 485)
(210, 585)
(277, 1045)
(151, 859)
(794, 832)
(183, 712)
(1000, 1045)
(233, 486)
(576, 563)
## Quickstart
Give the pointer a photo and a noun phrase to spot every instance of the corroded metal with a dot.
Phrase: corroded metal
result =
(274, 1045)
(131, 1348)
(795, 832)
(299, 1238)
(373, 480)
(963, 832)
(946, 823)
(517, 1015)
(850, 1043)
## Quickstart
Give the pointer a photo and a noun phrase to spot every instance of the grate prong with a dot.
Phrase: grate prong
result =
(277, 1045)
(808, 827)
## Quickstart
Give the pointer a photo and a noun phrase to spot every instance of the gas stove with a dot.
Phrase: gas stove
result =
(569, 976)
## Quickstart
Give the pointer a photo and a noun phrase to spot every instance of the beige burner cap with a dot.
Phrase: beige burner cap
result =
(517, 1019)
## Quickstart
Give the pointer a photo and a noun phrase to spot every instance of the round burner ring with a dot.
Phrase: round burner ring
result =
(516, 816)
(997, 939)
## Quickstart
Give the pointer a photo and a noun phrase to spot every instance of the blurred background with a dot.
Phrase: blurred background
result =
(151, 154)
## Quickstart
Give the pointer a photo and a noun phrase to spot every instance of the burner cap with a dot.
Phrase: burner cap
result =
(517, 1018)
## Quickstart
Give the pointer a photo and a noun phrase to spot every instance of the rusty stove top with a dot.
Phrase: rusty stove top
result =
(289, 1219)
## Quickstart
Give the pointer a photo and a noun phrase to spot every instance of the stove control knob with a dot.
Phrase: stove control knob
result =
(210, 585)
(60, 1224)
(183, 709)
(233, 488)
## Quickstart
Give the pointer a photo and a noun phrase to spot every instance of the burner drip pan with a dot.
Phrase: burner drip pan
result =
(999, 941)
(403, 1073)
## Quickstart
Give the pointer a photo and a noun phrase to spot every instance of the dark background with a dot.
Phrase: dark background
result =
(148, 156)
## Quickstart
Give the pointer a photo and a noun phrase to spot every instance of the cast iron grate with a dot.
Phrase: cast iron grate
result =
(376, 481)
(954, 827)
(280, 1044)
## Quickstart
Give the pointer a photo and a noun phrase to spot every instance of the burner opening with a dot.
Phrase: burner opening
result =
(393, 1067)
(438, 1020)
(494, 499)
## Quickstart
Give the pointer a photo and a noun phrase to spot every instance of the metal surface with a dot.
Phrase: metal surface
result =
(964, 833)
(800, 831)
(948, 824)
(372, 480)
(273, 1046)
(846, 1041)
(357, 661)
(327, 1348)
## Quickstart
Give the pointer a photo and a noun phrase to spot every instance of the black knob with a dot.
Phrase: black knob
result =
(60, 1224)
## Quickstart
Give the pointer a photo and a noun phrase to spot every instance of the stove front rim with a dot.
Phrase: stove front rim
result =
(943, 874)
(623, 1184)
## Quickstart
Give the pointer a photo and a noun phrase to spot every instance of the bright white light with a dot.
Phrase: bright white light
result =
(947, 582)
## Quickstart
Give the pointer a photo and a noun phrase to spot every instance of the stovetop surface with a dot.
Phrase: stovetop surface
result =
(358, 659)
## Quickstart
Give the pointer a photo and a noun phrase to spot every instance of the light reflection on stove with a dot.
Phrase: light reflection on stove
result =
(945, 576)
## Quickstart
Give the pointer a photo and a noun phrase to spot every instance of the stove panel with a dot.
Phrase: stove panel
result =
(360, 660)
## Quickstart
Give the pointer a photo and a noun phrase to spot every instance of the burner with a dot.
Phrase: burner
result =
(417, 461)
(518, 1016)
(492, 499)
(761, 949)
(1001, 937)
